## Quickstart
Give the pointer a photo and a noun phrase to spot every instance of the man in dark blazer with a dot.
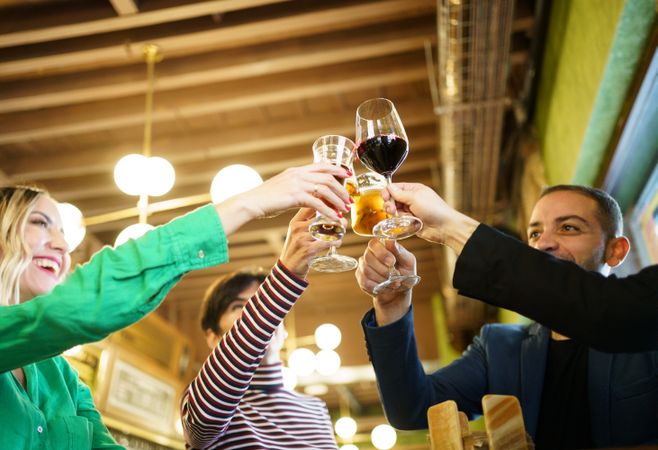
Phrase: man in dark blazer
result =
(572, 396)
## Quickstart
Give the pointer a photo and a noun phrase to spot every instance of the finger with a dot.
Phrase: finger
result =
(322, 191)
(380, 252)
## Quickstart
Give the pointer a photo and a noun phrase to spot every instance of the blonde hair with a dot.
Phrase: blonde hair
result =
(16, 204)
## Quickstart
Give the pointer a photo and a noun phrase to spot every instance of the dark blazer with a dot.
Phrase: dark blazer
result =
(511, 360)
(609, 314)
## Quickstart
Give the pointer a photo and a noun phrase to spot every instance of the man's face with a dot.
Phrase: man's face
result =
(566, 225)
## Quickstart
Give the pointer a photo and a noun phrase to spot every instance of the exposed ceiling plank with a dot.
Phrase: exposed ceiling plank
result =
(125, 22)
(291, 26)
(330, 50)
(125, 7)
(239, 141)
(317, 83)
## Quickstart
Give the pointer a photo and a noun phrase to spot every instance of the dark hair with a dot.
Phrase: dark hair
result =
(609, 213)
(223, 292)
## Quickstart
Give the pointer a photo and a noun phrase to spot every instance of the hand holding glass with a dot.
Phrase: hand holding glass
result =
(337, 150)
(367, 212)
(382, 147)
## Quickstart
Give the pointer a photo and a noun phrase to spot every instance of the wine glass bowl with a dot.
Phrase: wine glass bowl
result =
(337, 150)
(382, 146)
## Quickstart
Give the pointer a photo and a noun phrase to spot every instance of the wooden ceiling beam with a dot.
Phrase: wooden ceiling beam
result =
(126, 22)
(227, 66)
(125, 7)
(319, 82)
(277, 29)
(205, 146)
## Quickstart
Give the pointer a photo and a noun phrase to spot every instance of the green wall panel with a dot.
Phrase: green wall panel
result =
(578, 43)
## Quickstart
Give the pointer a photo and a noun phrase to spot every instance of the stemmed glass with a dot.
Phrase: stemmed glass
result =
(382, 147)
(368, 211)
(337, 150)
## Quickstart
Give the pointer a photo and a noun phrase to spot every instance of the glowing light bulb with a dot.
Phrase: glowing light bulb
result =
(327, 336)
(345, 427)
(73, 224)
(327, 362)
(302, 362)
(383, 437)
(132, 232)
(233, 180)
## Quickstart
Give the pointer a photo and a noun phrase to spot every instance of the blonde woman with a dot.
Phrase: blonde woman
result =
(44, 404)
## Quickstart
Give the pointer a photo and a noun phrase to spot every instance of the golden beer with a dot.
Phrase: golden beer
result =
(368, 209)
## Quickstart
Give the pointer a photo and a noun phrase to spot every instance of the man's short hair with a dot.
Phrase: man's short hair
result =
(608, 210)
(223, 292)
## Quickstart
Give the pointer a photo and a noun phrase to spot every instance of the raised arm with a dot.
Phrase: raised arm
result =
(117, 287)
(210, 402)
(607, 313)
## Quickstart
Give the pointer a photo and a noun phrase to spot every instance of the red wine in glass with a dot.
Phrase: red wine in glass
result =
(383, 154)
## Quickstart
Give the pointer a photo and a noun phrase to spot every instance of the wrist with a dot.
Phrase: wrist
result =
(458, 231)
(235, 212)
(388, 313)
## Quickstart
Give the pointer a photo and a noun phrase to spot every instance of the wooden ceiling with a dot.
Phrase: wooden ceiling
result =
(242, 81)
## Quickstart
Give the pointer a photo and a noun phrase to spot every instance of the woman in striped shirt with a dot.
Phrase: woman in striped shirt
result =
(237, 400)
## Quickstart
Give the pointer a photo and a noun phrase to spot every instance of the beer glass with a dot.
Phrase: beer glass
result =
(367, 212)
(338, 150)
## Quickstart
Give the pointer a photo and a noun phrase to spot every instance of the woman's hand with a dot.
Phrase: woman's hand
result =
(300, 247)
(305, 186)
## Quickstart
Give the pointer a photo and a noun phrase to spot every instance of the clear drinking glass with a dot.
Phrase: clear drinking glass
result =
(367, 212)
(382, 146)
(338, 150)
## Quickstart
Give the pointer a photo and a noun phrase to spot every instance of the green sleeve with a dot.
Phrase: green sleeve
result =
(101, 437)
(116, 288)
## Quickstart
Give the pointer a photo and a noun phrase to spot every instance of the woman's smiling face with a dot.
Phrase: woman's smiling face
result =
(50, 256)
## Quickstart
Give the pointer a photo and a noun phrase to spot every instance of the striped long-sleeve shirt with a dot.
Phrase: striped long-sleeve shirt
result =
(234, 403)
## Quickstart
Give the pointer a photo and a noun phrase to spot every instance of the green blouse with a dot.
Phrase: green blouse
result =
(116, 288)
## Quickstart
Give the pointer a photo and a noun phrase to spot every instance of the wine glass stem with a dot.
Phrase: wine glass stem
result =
(332, 250)
(389, 181)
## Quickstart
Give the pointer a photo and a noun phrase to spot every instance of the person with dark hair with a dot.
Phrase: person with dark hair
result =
(238, 400)
(607, 313)
(42, 314)
(572, 396)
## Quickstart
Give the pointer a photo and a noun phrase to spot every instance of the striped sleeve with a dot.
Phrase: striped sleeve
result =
(210, 401)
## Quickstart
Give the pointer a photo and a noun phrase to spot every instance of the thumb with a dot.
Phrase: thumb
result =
(399, 193)
(402, 255)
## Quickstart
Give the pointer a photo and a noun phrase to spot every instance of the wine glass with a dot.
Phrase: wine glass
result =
(382, 146)
(337, 150)
(368, 211)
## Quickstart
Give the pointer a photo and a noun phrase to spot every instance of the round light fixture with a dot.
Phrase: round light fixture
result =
(233, 180)
(135, 174)
(383, 437)
(160, 176)
(73, 224)
(129, 174)
(345, 427)
(327, 362)
(302, 362)
(132, 232)
(348, 447)
(327, 336)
